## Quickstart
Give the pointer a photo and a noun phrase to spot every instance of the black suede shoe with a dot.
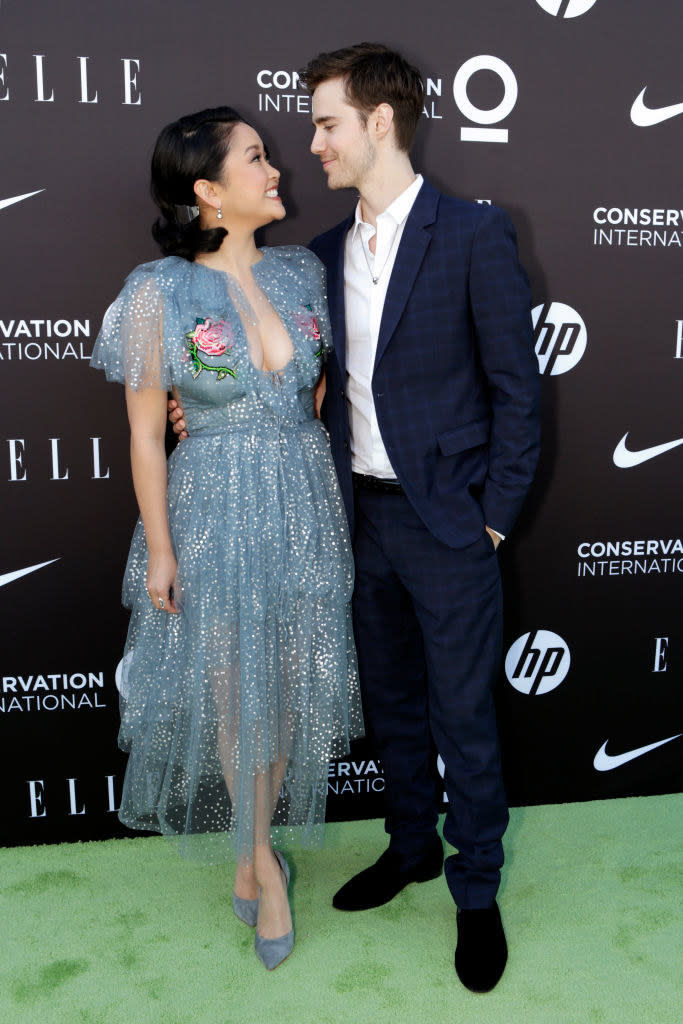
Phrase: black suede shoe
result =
(379, 883)
(481, 952)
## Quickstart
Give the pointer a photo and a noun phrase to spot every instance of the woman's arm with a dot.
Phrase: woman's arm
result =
(319, 393)
(147, 418)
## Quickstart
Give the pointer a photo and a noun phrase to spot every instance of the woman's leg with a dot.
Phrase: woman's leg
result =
(254, 796)
(228, 715)
(274, 917)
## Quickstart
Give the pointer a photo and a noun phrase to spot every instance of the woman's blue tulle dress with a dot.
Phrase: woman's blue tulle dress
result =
(232, 710)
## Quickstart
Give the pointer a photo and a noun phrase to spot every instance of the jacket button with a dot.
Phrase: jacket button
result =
(343, 394)
(346, 446)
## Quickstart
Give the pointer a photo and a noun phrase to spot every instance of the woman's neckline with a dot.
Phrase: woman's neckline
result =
(226, 273)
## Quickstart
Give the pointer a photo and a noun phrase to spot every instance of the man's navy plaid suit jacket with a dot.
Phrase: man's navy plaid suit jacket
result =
(456, 382)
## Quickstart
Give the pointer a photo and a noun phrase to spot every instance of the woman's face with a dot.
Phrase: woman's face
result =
(248, 189)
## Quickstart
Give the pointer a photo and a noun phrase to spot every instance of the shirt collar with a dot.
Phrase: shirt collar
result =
(397, 211)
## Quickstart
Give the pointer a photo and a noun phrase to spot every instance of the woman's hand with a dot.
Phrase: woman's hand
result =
(161, 579)
(495, 537)
(177, 418)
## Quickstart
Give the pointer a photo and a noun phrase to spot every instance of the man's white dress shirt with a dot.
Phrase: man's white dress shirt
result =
(364, 302)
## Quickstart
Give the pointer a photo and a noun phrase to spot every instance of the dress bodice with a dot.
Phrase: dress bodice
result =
(177, 324)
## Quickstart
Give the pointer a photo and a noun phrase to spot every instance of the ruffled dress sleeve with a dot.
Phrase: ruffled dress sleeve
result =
(130, 346)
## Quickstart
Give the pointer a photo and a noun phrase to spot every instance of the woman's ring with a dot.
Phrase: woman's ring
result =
(161, 602)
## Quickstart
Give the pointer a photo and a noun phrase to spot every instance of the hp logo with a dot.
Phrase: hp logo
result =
(537, 662)
(566, 8)
(560, 336)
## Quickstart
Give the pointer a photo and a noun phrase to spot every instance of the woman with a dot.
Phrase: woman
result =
(241, 678)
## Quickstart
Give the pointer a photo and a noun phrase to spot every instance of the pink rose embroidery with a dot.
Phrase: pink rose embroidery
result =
(307, 323)
(211, 338)
(208, 337)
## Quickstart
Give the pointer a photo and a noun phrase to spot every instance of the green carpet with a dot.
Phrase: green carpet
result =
(124, 931)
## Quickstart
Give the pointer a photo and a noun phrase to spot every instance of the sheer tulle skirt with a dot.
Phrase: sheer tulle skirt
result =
(232, 710)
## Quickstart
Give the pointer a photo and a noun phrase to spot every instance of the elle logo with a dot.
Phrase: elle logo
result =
(18, 468)
(661, 654)
(75, 806)
(44, 93)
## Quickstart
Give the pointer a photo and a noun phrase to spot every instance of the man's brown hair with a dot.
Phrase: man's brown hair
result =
(373, 74)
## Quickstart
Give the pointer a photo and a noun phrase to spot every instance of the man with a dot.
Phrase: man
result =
(432, 407)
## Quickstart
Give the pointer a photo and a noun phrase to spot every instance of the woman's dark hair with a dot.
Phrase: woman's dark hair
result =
(192, 147)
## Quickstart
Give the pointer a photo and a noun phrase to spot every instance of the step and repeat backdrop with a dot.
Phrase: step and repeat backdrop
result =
(569, 114)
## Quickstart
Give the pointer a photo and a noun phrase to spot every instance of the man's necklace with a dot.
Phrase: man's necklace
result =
(375, 278)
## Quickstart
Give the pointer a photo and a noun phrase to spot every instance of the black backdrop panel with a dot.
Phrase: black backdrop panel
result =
(536, 106)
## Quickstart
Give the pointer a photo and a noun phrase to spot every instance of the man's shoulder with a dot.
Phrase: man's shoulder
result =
(470, 211)
(459, 222)
(330, 239)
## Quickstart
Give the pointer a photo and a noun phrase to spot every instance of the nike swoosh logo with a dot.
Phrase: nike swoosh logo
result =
(604, 762)
(644, 117)
(18, 199)
(10, 577)
(624, 459)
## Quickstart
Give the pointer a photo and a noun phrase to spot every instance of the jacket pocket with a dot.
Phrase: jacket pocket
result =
(461, 438)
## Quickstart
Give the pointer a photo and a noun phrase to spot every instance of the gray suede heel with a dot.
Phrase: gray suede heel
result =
(284, 866)
(246, 910)
(271, 952)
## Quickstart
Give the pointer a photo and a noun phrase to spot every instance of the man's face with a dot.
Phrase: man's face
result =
(341, 140)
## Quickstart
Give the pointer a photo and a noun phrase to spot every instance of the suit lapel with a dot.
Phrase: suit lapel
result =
(411, 251)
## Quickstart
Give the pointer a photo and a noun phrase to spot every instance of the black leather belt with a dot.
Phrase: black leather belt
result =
(364, 482)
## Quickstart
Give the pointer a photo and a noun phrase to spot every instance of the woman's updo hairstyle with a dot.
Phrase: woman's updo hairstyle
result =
(192, 147)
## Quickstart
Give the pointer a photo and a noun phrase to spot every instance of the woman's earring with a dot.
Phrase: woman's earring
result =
(219, 213)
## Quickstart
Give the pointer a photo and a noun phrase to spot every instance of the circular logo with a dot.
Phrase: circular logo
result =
(121, 675)
(537, 662)
(566, 8)
(504, 72)
(560, 337)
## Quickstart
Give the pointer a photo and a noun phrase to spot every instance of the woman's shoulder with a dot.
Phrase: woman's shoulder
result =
(162, 273)
(299, 260)
(295, 255)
